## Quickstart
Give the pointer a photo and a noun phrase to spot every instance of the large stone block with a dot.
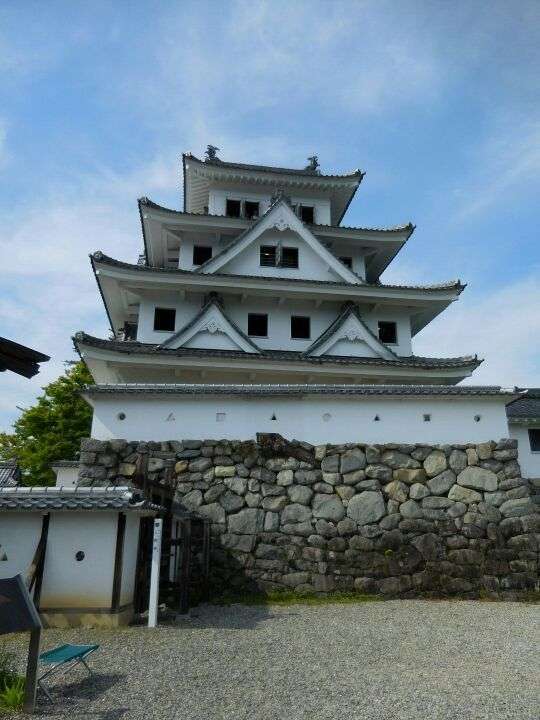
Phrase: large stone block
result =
(435, 463)
(410, 510)
(214, 512)
(397, 490)
(396, 460)
(295, 513)
(478, 478)
(300, 494)
(517, 507)
(224, 471)
(367, 507)
(353, 460)
(464, 495)
(410, 476)
(230, 501)
(247, 521)
(441, 484)
(328, 508)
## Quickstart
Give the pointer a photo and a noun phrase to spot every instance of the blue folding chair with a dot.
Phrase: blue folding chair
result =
(62, 659)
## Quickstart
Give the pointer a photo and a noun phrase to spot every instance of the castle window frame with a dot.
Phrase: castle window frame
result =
(251, 209)
(534, 439)
(300, 327)
(347, 261)
(164, 319)
(289, 257)
(201, 254)
(233, 208)
(307, 214)
(258, 325)
(267, 256)
(387, 332)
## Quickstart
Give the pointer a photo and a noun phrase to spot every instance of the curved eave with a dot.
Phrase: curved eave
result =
(270, 176)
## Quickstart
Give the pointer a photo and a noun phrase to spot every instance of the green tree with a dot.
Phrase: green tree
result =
(52, 428)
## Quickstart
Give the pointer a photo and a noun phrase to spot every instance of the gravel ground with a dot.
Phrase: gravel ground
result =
(395, 659)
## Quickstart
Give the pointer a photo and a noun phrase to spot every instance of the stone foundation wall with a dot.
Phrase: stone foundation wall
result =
(392, 519)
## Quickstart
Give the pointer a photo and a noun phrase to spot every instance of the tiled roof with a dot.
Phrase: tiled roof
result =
(137, 348)
(268, 168)
(100, 257)
(65, 463)
(300, 389)
(527, 407)
(314, 226)
(19, 358)
(10, 473)
(74, 499)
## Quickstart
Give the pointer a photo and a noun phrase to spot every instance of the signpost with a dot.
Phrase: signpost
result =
(18, 614)
(154, 574)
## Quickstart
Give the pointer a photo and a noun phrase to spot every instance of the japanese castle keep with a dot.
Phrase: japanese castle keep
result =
(258, 309)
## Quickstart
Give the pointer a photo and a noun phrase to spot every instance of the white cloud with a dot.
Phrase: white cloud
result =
(502, 326)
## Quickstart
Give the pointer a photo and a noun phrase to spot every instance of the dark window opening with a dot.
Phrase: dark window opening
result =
(251, 209)
(388, 332)
(347, 261)
(257, 325)
(307, 214)
(534, 439)
(164, 319)
(289, 257)
(201, 253)
(300, 327)
(268, 256)
(233, 208)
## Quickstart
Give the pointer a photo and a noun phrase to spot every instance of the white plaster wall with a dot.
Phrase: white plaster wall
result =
(66, 476)
(68, 583)
(529, 460)
(310, 264)
(219, 196)
(314, 419)
(279, 320)
(19, 536)
(129, 563)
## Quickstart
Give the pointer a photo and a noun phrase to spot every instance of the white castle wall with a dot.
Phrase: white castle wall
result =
(315, 419)
(529, 460)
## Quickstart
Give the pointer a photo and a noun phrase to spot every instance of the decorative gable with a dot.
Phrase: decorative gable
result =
(349, 335)
(280, 226)
(211, 329)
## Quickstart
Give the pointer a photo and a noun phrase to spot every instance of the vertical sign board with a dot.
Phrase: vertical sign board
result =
(18, 614)
(154, 574)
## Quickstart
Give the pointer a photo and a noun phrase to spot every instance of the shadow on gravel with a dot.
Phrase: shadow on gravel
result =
(231, 617)
(68, 697)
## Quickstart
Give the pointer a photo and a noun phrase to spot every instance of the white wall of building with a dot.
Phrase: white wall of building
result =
(279, 320)
(315, 419)
(67, 582)
(529, 460)
(66, 476)
(219, 196)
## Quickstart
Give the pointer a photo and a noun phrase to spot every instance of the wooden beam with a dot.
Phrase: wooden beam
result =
(40, 565)
(118, 562)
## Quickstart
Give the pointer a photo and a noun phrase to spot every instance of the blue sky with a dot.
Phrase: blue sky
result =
(438, 102)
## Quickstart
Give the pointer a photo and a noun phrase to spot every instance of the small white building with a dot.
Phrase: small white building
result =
(84, 543)
(524, 425)
(66, 471)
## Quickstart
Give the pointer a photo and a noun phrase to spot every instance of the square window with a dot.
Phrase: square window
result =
(251, 210)
(201, 253)
(164, 319)
(257, 325)
(220, 416)
(388, 332)
(300, 327)
(307, 214)
(289, 257)
(347, 261)
(268, 256)
(534, 439)
(232, 208)
(427, 417)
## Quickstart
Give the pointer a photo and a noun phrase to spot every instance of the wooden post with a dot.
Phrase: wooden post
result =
(118, 562)
(154, 575)
(30, 689)
(186, 565)
(41, 562)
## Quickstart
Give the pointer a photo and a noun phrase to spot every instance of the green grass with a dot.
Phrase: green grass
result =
(11, 684)
(289, 597)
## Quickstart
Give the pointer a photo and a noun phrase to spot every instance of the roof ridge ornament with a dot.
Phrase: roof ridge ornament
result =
(313, 165)
(211, 154)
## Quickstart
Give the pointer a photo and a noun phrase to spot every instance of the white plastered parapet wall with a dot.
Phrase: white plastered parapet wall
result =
(311, 418)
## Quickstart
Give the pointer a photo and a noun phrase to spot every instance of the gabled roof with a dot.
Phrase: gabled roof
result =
(357, 330)
(280, 216)
(526, 408)
(151, 349)
(10, 473)
(211, 319)
(19, 358)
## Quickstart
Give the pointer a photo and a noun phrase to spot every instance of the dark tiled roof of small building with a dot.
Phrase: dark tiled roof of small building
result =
(19, 358)
(10, 473)
(415, 361)
(525, 407)
(300, 389)
(74, 499)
